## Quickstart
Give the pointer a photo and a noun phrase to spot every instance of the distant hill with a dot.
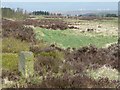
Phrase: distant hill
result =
(88, 12)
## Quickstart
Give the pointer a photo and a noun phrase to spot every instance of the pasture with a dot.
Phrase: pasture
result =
(100, 37)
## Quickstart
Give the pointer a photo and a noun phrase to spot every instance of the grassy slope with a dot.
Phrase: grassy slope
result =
(11, 47)
(68, 38)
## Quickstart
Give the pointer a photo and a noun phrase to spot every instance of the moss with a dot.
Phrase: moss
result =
(10, 61)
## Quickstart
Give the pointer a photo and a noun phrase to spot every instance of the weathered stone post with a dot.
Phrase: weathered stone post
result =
(26, 63)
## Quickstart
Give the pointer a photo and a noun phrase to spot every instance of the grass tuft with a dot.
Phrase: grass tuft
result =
(12, 45)
(10, 61)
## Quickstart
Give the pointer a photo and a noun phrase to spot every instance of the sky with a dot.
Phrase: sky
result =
(60, 0)
(61, 5)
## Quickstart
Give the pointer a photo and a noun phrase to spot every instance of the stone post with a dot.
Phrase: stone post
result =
(26, 63)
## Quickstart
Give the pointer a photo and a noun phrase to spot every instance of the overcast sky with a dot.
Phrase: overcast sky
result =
(60, 0)
(61, 5)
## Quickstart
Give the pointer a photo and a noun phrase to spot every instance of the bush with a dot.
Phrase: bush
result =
(47, 23)
(54, 54)
(12, 45)
(17, 30)
(49, 61)
(86, 67)
(104, 72)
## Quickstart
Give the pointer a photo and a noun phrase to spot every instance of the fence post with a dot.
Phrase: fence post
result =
(26, 63)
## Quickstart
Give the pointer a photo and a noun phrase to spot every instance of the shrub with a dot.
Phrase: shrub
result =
(47, 23)
(12, 45)
(49, 61)
(104, 72)
(54, 54)
(17, 30)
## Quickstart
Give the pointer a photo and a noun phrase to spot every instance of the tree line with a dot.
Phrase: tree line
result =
(15, 14)
(45, 13)
(40, 13)
(111, 15)
(22, 14)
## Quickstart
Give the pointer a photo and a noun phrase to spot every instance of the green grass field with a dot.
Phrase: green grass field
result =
(68, 38)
